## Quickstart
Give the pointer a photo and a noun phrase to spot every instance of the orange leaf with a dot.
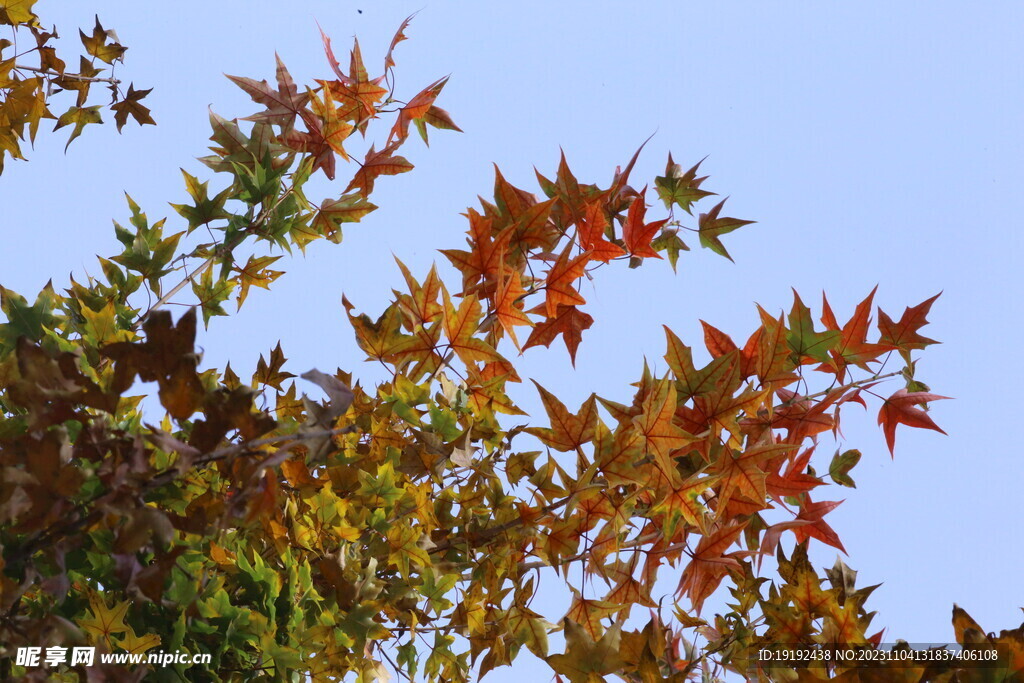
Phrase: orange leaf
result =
(416, 109)
(816, 527)
(378, 164)
(589, 613)
(569, 322)
(661, 436)
(900, 409)
(568, 432)
(636, 234)
(591, 227)
(709, 564)
(460, 326)
(560, 280)
(508, 304)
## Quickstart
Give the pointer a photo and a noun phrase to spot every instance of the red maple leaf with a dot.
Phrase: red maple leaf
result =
(569, 322)
(559, 283)
(816, 526)
(853, 347)
(591, 226)
(636, 234)
(900, 408)
(904, 334)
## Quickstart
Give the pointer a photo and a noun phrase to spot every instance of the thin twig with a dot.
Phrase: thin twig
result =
(77, 77)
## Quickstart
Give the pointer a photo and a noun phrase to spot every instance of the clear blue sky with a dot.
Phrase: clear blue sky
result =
(874, 144)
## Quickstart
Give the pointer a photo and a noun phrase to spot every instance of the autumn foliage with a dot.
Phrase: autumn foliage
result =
(405, 527)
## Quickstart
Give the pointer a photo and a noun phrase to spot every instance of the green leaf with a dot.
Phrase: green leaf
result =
(670, 243)
(681, 189)
(802, 338)
(204, 209)
(711, 227)
(22, 319)
(211, 294)
(841, 465)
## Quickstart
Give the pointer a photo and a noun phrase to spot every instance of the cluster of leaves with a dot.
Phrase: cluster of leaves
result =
(30, 77)
(407, 527)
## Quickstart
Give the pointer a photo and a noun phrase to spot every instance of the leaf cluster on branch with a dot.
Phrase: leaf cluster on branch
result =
(406, 527)
(32, 74)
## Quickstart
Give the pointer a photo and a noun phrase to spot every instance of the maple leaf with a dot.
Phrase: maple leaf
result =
(904, 335)
(136, 644)
(568, 432)
(717, 342)
(589, 613)
(773, 362)
(357, 102)
(420, 306)
(24, 320)
(327, 122)
(815, 526)
(509, 200)
(205, 209)
(421, 347)
(802, 338)
(460, 326)
(104, 621)
(900, 408)
(270, 374)
(744, 473)
(586, 661)
(804, 590)
(592, 226)
(636, 234)
(709, 564)
(256, 272)
(437, 118)
(508, 304)
(97, 46)
(684, 502)
(377, 164)
(711, 227)
(682, 189)
(283, 105)
(15, 12)
(80, 117)
(722, 371)
(348, 208)
(379, 338)
(560, 279)
(211, 294)
(130, 106)
(842, 463)
(853, 347)
(569, 322)
(795, 480)
(660, 435)
(801, 416)
(483, 263)
(567, 187)
(416, 109)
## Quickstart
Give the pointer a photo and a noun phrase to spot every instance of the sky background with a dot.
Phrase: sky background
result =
(873, 144)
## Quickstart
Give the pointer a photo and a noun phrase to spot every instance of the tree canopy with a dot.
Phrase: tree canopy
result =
(404, 527)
